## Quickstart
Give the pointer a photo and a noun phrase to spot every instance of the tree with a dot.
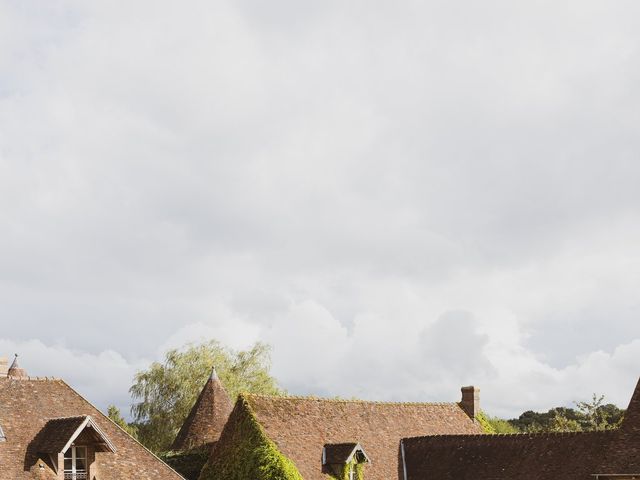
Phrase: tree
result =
(501, 426)
(114, 414)
(598, 415)
(164, 393)
(552, 420)
(592, 413)
(613, 414)
(587, 416)
(561, 423)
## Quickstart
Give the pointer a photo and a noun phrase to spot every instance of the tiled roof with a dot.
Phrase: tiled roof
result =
(207, 418)
(58, 434)
(567, 456)
(300, 427)
(623, 454)
(15, 370)
(26, 405)
(506, 457)
(4, 366)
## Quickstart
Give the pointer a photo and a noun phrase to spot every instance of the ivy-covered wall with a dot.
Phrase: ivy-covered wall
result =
(343, 471)
(188, 464)
(244, 452)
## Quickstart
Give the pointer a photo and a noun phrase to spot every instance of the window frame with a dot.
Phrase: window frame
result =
(74, 473)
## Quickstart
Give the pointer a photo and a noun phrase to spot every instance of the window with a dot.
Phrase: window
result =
(75, 463)
(352, 472)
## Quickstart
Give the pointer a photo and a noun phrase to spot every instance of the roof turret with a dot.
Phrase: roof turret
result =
(207, 418)
(15, 371)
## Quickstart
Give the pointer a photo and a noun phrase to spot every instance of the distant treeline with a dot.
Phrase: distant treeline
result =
(586, 416)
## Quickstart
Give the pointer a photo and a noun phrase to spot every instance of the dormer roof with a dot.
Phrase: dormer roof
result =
(59, 434)
(343, 453)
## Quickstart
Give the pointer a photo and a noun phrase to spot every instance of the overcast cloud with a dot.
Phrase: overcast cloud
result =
(400, 197)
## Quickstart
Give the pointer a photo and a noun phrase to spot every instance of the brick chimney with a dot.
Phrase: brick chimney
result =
(471, 401)
(4, 366)
(15, 371)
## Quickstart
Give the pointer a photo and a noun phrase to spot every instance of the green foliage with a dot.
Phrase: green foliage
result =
(560, 423)
(484, 422)
(597, 415)
(114, 414)
(164, 393)
(188, 464)
(346, 469)
(498, 425)
(587, 416)
(246, 452)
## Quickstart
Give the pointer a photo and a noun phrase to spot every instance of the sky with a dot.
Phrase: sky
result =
(400, 197)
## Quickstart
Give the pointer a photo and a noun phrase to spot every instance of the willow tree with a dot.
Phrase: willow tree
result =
(164, 393)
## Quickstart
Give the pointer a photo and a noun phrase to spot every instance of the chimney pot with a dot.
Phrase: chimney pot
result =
(4, 366)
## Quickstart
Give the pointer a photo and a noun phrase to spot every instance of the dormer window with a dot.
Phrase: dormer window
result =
(70, 445)
(343, 460)
(75, 463)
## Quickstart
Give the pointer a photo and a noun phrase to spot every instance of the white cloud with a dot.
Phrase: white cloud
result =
(103, 378)
(334, 179)
(231, 332)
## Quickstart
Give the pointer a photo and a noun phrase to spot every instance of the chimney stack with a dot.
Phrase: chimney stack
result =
(471, 401)
(4, 366)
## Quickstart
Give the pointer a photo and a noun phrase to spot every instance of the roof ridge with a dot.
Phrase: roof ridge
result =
(106, 417)
(32, 378)
(69, 417)
(512, 435)
(341, 400)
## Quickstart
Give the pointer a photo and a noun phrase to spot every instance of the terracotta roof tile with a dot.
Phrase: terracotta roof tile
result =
(301, 426)
(56, 433)
(568, 456)
(505, 457)
(15, 370)
(623, 454)
(26, 405)
(207, 417)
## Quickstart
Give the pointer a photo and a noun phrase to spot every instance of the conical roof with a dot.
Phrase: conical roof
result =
(15, 370)
(631, 420)
(618, 457)
(207, 418)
